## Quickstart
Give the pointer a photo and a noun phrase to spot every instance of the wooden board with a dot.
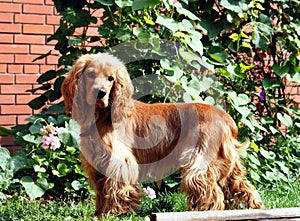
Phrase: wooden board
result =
(255, 214)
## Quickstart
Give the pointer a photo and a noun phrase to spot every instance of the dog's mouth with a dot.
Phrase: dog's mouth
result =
(102, 99)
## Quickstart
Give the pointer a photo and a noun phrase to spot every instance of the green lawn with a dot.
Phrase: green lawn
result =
(20, 208)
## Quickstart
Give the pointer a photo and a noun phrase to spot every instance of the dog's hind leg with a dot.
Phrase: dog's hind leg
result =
(202, 189)
(239, 190)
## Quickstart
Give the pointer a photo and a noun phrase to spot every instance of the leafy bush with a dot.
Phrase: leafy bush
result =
(9, 166)
(252, 46)
(49, 161)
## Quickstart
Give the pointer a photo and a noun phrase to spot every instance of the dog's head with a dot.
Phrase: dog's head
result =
(98, 78)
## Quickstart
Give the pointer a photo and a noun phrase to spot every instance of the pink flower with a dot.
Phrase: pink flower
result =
(49, 139)
(150, 192)
(49, 129)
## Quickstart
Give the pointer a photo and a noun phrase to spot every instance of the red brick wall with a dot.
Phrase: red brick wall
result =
(24, 28)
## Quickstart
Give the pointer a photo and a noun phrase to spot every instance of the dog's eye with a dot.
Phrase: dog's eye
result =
(110, 78)
(90, 75)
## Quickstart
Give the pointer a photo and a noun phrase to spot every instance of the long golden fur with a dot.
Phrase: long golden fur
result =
(120, 135)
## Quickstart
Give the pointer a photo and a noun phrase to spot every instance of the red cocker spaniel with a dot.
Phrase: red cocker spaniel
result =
(126, 142)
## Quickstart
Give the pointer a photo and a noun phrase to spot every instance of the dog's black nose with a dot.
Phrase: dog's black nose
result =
(101, 94)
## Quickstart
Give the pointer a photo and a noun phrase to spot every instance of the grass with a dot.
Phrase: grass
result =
(281, 196)
(20, 208)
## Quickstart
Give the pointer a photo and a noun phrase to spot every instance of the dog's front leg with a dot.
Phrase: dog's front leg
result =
(121, 189)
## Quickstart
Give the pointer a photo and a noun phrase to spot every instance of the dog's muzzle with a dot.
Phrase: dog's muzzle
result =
(101, 94)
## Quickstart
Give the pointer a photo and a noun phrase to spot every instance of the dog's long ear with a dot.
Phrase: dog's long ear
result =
(123, 86)
(69, 85)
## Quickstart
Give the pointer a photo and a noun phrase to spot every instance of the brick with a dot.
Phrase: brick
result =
(6, 0)
(24, 99)
(92, 31)
(7, 99)
(14, 49)
(6, 38)
(21, 119)
(29, 19)
(31, 69)
(6, 17)
(40, 49)
(3, 68)
(30, 39)
(49, 2)
(37, 29)
(26, 79)
(98, 13)
(15, 68)
(10, 7)
(10, 28)
(44, 68)
(27, 59)
(15, 89)
(53, 20)
(39, 2)
(7, 140)
(15, 109)
(37, 111)
(38, 9)
(296, 99)
(292, 89)
(6, 58)
(52, 59)
(6, 79)
(38, 92)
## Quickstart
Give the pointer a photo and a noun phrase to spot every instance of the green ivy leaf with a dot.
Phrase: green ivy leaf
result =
(32, 139)
(63, 169)
(254, 146)
(170, 23)
(185, 12)
(69, 135)
(193, 41)
(4, 157)
(35, 128)
(280, 71)
(273, 130)
(234, 37)
(233, 5)
(43, 183)
(124, 3)
(254, 160)
(38, 102)
(140, 4)
(18, 161)
(56, 109)
(76, 185)
(261, 35)
(106, 2)
(141, 33)
(32, 189)
(37, 168)
(217, 53)
(76, 40)
(284, 168)
(6, 132)
(123, 36)
(285, 119)
(255, 176)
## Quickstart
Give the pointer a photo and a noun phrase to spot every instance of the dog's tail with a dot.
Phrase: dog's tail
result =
(234, 133)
